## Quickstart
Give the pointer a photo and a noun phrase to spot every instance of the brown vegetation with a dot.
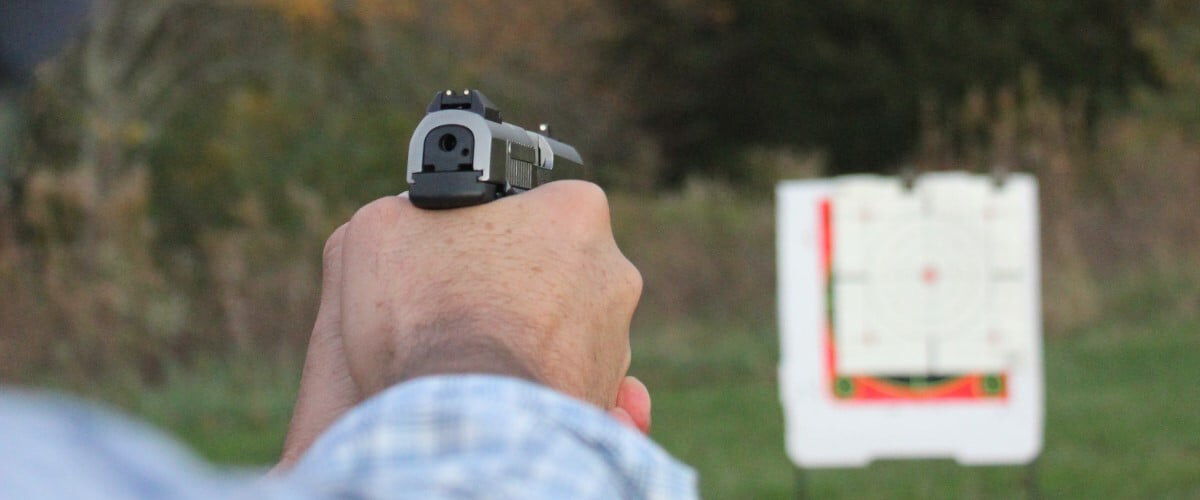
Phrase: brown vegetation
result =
(139, 242)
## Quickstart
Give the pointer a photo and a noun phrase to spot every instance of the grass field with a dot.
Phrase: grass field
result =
(1123, 421)
(1123, 414)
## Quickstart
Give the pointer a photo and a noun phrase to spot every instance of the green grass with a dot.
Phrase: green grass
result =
(230, 412)
(1123, 421)
(1123, 415)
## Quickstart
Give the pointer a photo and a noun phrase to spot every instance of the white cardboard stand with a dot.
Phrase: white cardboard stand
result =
(935, 282)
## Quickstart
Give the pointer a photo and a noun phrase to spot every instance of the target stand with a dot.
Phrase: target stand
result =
(910, 319)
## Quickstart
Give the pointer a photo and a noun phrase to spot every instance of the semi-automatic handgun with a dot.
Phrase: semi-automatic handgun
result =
(462, 154)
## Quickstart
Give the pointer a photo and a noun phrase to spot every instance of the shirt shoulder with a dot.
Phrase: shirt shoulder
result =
(470, 436)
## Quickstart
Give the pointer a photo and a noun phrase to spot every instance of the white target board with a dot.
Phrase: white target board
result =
(910, 319)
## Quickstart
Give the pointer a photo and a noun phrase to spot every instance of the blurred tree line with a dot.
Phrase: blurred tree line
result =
(182, 160)
(677, 87)
(682, 86)
(853, 78)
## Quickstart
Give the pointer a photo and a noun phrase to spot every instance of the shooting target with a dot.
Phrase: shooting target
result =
(897, 303)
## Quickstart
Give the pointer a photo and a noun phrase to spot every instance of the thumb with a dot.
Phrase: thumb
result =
(633, 402)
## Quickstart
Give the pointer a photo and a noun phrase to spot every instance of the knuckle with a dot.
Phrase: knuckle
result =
(635, 279)
(377, 213)
(591, 198)
(578, 207)
(639, 283)
(589, 206)
(581, 196)
(333, 245)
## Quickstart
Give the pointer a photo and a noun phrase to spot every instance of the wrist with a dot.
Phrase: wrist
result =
(443, 352)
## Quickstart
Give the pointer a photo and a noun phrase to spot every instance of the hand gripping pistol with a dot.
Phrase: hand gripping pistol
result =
(463, 154)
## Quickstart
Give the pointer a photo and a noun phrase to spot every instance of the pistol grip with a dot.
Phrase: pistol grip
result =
(437, 190)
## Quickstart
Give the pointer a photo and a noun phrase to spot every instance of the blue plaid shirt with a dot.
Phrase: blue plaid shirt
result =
(469, 436)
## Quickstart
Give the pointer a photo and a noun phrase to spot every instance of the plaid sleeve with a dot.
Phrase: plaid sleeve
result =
(477, 436)
(54, 447)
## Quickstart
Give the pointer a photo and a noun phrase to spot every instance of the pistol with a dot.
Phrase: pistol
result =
(463, 154)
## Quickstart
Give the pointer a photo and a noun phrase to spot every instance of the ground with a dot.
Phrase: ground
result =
(1122, 415)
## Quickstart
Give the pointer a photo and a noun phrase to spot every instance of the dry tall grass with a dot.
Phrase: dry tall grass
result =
(92, 295)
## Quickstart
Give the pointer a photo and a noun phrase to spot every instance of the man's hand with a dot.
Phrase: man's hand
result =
(531, 286)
